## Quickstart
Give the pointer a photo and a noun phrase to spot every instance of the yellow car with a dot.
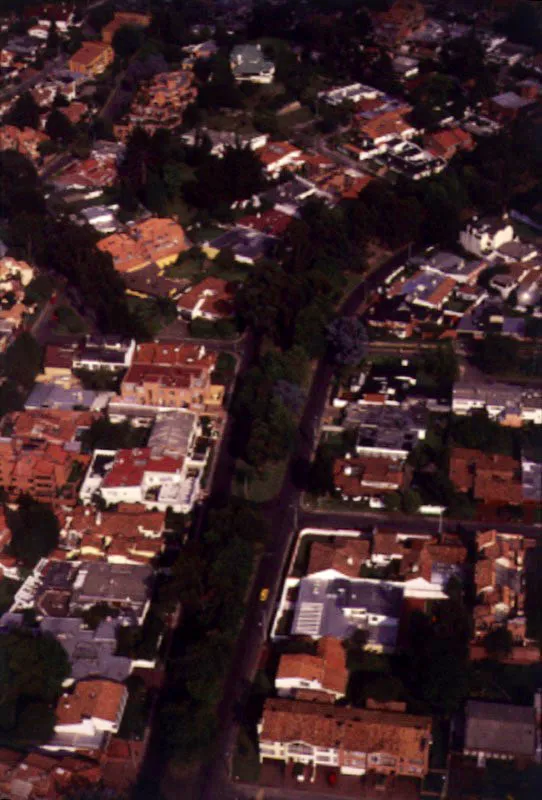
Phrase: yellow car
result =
(264, 594)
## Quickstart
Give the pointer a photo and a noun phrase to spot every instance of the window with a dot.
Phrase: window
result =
(299, 748)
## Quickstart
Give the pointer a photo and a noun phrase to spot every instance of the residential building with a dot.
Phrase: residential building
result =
(483, 237)
(248, 63)
(427, 289)
(159, 103)
(248, 246)
(174, 434)
(47, 472)
(500, 731)
(222, 140)
(210, 299)
(101, 218)
(54, 395)
(382, 126)
(65, 588)
(154, 240)
(36, 775)
(446, 143)
(401, 20)
(356, 741)
(87, 716)
(172, 375)
(26, 141)
(54, 426)
(388, 431)
(365, 477)
(491, 479)
(508, 106)
(500, 582)
(108, 353)
(130, 535)
(276, 156)
(451, 265)
(91, 59)
(137, 476)
(353, 93)
(94, 172)
(405, 67)
(123, 19)
(328, 604)
(505, 403)
(321, 675)
(91, 651)
(270, 222)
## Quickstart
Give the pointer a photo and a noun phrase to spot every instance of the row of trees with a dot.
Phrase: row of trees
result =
(210, 580)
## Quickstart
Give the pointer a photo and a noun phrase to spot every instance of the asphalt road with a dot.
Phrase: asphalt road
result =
(283, 515)
(286, 517)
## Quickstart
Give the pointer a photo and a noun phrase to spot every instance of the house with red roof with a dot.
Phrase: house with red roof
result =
(322, 675)
(448, 142)
(211, 299)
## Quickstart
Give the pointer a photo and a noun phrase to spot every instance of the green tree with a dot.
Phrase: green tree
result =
(497, 354)
(127, 40)
(32, 669)
(58, 127)
(348, 340)
(53, 39)
(24, 113)
(498, 642)
(34, 531)
(22, 360)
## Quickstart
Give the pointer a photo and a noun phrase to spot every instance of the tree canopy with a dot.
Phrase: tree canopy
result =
(34, 530)
(32, 669)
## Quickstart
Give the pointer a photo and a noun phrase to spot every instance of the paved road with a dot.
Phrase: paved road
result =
(358, 520)
(282, 513)
(285, 517)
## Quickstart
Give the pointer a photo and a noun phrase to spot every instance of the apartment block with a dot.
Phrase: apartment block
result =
(92, 58)
(356, 741)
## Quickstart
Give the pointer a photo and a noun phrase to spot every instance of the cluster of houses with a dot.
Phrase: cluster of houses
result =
(164, 388)
(382, 414)
(440, 293)
(93, 592)
(344, 586)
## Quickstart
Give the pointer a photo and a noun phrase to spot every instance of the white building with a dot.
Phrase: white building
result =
(483, 237)
(87, 715)
(156, 481)
(354, 92)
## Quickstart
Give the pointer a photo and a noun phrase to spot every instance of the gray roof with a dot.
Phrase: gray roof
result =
(389, 427)
(128, 585)
(500, 728)
(511, 100)
(172, 433)
(91, 653)
(51, 395)
(246, 243)
(248, 59)
(321, 605)
(517, 250)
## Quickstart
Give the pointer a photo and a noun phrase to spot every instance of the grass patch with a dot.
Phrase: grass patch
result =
(246, 764)
(259, 488)
(237, 272)
(205, 234)
(188, 269)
